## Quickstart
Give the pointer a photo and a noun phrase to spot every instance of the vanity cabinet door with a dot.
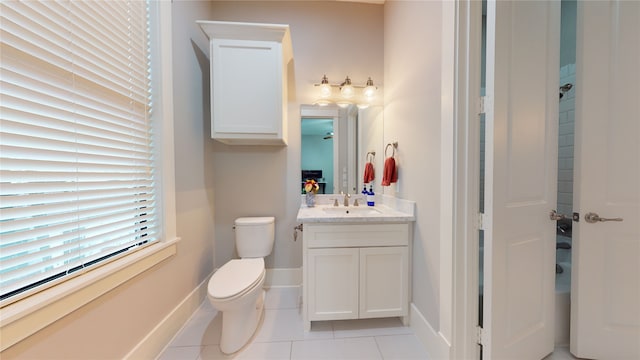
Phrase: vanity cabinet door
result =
(384, 281)
(333, 283)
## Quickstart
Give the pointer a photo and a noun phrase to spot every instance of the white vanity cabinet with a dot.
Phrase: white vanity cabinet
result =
(354, 271)
(249, 65)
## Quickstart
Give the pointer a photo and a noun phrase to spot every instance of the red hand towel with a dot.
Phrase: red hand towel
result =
(390, 174)
(368, 173)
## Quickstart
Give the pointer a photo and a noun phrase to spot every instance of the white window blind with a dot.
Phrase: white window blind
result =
(76, 149)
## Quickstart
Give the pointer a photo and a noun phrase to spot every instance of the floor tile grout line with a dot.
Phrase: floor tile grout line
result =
(375, 340)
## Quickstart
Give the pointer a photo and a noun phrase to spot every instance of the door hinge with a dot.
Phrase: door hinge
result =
(482, 218)
(483, 104)
(479, 335)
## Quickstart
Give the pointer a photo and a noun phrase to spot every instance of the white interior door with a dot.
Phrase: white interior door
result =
(605, 292)
(520, 189)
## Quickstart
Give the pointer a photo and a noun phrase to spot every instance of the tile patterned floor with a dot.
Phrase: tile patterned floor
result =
(281, 336)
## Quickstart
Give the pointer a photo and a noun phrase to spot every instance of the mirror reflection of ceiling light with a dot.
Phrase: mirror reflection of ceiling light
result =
(343, 103)
(323, 102)
(348, 95)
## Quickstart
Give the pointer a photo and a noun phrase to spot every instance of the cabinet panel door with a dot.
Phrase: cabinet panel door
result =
(333, 284)
(384, 281)
(246, 87)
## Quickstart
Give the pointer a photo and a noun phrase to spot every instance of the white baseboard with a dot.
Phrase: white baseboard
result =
(155, 342)
(283, 277)
(437, 347)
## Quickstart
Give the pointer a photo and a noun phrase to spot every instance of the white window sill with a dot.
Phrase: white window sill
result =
(25, 317)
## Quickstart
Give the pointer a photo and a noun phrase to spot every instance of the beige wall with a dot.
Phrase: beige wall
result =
(332, 38)
(412, 71)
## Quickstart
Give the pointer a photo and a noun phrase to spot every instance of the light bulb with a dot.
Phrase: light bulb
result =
(363, 106)
(369, 90)
(346, 88)
(325, 87)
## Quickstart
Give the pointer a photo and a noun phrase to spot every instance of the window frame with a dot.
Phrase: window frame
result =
(24, 316)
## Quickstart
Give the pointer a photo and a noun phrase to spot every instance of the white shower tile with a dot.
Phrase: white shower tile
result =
(364, 348)
(564, 71)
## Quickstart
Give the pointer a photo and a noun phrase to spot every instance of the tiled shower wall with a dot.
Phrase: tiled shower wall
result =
(566, 141)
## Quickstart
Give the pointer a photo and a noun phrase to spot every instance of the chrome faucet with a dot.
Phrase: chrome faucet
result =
(346, 198)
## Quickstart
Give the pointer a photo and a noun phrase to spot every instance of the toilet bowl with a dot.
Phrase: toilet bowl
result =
(236, 290)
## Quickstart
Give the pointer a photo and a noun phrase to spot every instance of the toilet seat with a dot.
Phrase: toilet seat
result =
(235, 278)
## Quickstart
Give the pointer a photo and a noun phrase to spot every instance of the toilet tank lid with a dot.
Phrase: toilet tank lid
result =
(255, 220)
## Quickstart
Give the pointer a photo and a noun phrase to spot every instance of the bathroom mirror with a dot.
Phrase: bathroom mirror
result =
(337, 142)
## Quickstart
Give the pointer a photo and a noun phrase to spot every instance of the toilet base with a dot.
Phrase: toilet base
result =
(239, 325)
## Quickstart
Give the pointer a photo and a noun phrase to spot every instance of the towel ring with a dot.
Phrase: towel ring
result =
(394, 146)
(373, 155)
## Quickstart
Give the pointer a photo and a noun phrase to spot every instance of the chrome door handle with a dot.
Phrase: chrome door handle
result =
(594, 218)
(553, 215)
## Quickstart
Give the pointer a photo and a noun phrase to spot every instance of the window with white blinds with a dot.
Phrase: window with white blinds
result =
(76, 147)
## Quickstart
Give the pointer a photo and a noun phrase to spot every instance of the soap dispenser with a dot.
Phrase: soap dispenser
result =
(370, 196)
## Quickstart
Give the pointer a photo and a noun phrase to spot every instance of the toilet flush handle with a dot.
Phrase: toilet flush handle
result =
(295, 231)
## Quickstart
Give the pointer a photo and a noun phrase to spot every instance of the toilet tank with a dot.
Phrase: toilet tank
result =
(254, 236)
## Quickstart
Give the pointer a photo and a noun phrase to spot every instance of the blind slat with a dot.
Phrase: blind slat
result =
(76, 151)
(59, 225)
(26, 135)
(63, 259)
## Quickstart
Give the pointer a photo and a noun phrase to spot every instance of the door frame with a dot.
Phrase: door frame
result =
(466, 175)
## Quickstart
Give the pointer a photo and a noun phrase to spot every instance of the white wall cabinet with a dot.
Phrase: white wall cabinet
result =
(249, 72)
(355, 271)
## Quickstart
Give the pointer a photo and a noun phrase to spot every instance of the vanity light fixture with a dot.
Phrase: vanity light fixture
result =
(348, 93)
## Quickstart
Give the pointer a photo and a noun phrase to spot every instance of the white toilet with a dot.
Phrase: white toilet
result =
(236, 288)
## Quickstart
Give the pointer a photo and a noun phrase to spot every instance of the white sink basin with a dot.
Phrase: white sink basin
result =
(351, 210)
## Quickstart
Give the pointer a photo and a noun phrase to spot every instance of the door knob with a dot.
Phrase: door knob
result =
(553, 215)
(594, 218)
